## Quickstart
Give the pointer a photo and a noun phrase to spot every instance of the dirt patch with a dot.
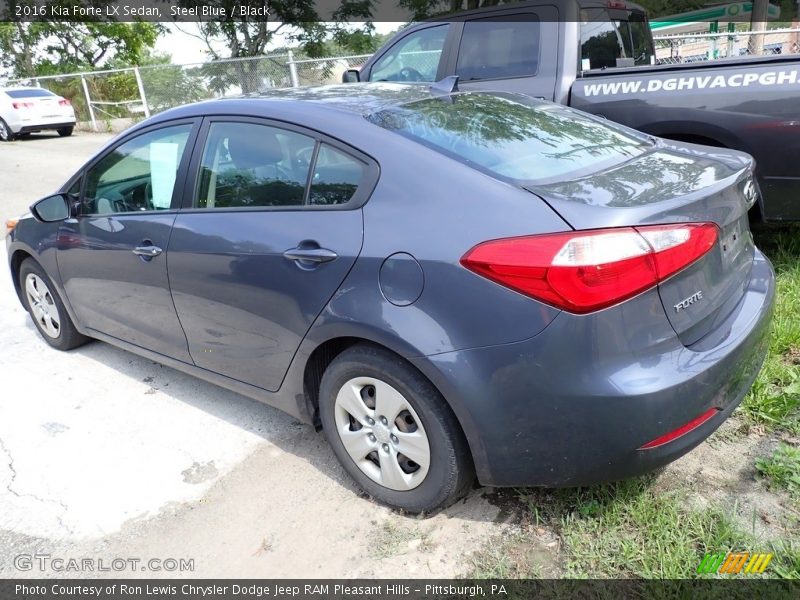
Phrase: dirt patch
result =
(792, 355)
(722, 472)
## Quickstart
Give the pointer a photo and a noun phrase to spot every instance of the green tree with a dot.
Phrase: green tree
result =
(19, 47)
(73, 46)
(50, 47)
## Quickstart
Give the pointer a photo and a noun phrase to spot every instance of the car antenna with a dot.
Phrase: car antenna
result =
(446, 86)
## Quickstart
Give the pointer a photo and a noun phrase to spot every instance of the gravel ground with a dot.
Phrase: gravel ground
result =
(104, 455)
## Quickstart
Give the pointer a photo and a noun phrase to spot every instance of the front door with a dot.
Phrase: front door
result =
(270, 230)
(112, 257)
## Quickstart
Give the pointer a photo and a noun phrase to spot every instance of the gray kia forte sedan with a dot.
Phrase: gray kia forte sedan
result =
(449, 284)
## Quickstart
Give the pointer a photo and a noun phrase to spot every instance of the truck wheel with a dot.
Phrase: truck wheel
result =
(64, 131)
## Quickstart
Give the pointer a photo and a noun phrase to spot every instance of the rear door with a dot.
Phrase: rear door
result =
(270, 227)
(513, 51)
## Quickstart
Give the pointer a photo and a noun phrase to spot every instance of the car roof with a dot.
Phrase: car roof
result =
(353, 98)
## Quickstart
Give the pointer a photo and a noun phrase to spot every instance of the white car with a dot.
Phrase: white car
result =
(24, 110)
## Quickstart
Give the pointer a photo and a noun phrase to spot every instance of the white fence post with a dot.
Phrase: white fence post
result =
(293, 70)
(141, 91)
(89, 103)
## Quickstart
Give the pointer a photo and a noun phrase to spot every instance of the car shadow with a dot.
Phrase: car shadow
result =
(282, 430)
(38, 136)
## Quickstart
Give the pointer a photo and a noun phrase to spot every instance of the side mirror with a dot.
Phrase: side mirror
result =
(51, 209)
(351, 76)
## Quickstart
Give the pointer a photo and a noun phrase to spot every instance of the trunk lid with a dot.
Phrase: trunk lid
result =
(675, 183)
(45, 107)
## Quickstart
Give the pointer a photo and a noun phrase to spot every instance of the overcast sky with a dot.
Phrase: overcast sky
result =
(187, 49)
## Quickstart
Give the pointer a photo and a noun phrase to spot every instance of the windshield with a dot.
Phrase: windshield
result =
(511, 135)
(608, 43)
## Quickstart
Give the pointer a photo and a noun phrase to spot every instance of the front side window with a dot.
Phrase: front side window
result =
(499, 47)
(137, 175)
(513, 136)
(414, 58)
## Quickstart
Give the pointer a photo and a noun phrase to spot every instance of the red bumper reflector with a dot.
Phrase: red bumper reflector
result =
(681, 431)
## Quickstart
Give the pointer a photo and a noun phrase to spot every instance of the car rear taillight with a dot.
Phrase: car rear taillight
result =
(585, 271)
(64, 102)
(22, 104)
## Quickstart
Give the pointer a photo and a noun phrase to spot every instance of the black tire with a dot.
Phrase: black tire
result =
(65, 131)
(6, 135)
(451, 472)
(67, 336)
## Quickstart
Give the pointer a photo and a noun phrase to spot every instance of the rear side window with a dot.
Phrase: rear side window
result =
(608, 43)
(251, 165)
(512, 136)
(499, 47)
(335, 178)
(29, 93)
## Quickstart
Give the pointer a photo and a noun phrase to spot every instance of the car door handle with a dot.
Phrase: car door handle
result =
(315, 255)
(147, 251)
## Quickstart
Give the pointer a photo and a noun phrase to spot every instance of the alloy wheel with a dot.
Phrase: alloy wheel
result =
(382, 433)
(43, 307)
(5, 132)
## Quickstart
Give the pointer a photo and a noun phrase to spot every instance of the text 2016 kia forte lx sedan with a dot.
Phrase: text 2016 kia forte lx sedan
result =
(449, 284)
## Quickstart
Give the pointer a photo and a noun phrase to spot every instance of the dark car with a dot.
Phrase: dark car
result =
(598, 56)
(449, 284)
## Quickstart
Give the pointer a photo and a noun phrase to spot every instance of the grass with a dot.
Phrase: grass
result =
(782, 469)
(393, 539)
(637, 529)
(774, 400)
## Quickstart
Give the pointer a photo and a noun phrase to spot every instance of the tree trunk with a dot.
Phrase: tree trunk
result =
(758, 22)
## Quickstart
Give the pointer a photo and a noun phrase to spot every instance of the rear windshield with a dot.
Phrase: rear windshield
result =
(513, 136)
(29, 93)
(608, 41)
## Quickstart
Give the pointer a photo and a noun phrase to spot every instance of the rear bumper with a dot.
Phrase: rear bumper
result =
(44, 126)
(19, 124)
(573, 405)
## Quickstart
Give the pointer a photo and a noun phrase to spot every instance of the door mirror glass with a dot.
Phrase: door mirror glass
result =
(351, 76)
(51, 209)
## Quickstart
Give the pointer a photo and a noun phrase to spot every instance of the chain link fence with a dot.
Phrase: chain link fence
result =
(111, 100)
(689, 48)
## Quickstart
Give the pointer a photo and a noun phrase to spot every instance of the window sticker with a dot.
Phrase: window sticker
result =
(163, 169)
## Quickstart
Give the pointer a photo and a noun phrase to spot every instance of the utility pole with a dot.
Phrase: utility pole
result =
(758, 22)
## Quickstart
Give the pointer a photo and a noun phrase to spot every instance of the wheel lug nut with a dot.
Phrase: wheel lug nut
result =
(384, 421)
(394, 439)
(371, 437)
(370, 420)
(386, 447)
